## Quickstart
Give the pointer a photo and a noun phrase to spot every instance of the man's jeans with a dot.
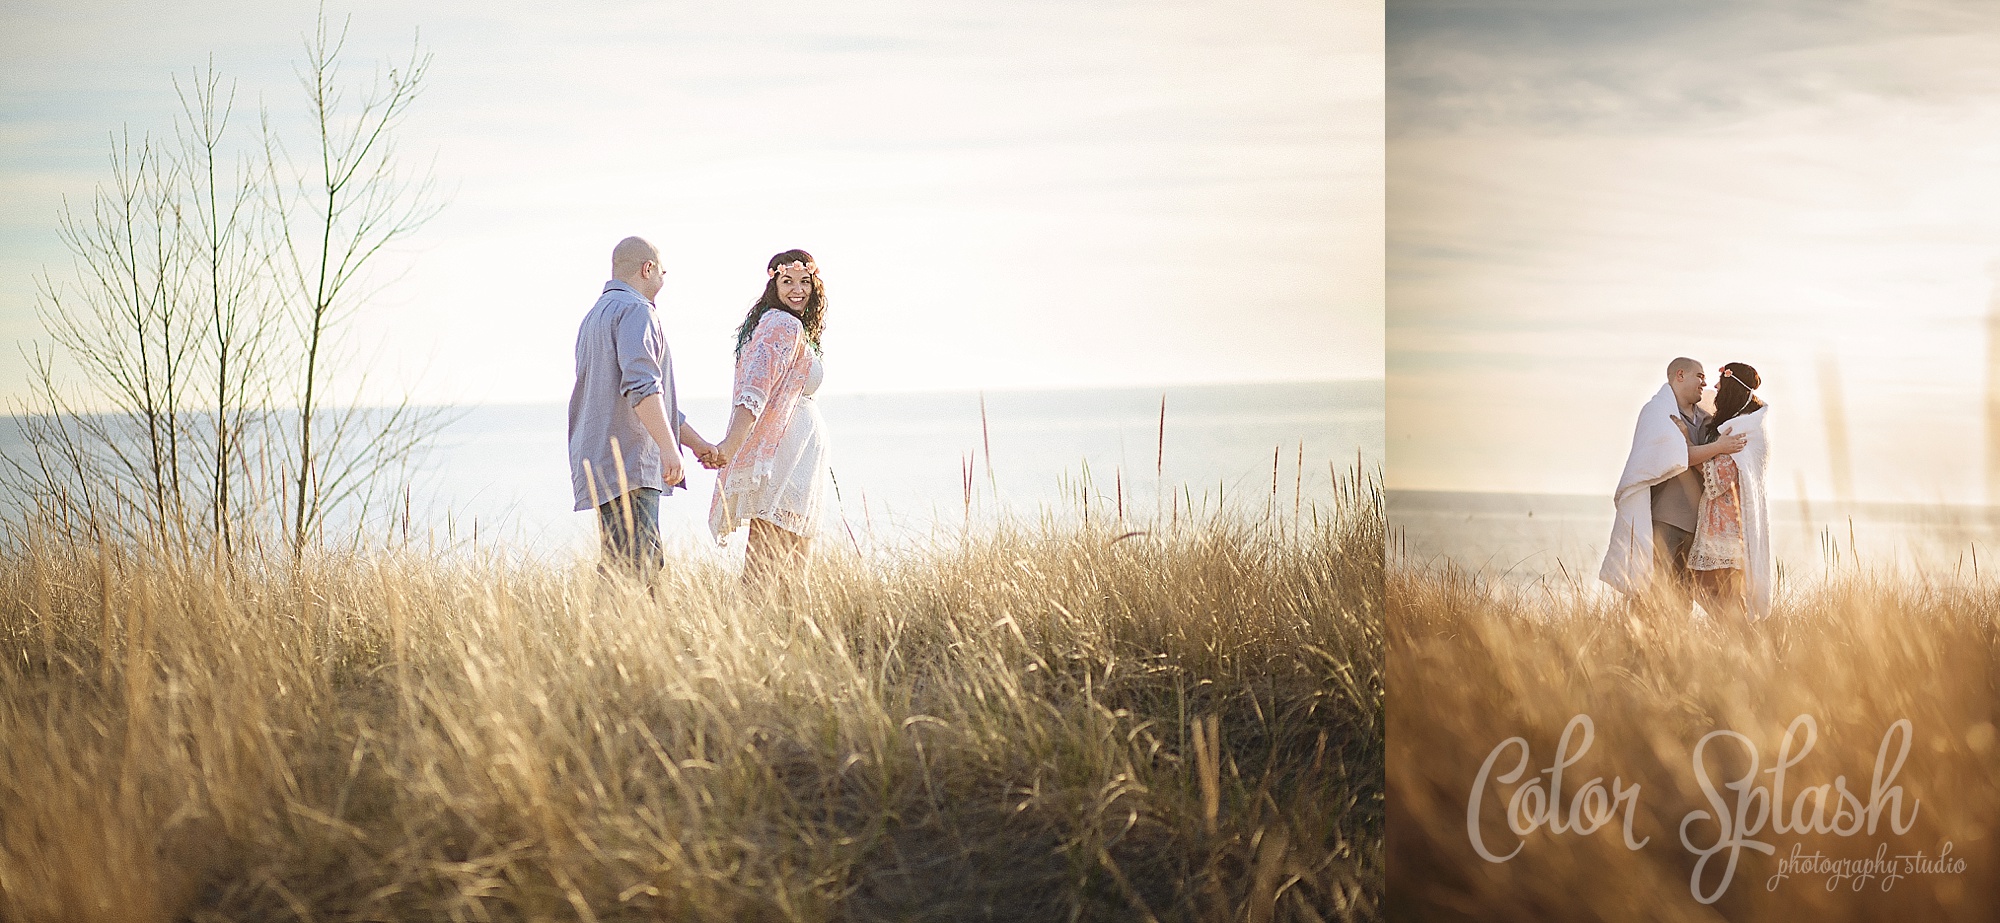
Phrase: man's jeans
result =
(629, 529)
(1672, 580)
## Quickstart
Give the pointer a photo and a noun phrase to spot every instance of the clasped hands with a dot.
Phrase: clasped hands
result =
(710, 455)
(713, 455)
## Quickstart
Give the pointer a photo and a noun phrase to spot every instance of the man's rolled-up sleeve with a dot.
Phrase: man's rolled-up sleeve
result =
(639, 351)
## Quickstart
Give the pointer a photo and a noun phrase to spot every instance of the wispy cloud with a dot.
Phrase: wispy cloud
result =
(1637, 66)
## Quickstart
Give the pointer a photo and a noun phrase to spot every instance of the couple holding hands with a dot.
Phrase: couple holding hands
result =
(1692, 523)
(626, 428)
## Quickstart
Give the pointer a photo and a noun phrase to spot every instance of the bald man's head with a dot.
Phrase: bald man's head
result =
(637, 263)
(630, 252)
(1687, 378)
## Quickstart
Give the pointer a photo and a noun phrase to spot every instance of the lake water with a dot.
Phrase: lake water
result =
(899, 460)
(1525, 539)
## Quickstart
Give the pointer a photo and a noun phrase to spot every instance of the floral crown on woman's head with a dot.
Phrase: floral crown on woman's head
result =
(1731, 373)
(811, 269)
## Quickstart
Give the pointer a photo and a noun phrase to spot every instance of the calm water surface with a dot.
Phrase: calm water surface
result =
(900, 460)
(1524, 539)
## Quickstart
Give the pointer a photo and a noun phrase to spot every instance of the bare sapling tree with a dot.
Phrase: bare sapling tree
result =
(107, 463)
(335, 210)
(227, 258)
(185, 397)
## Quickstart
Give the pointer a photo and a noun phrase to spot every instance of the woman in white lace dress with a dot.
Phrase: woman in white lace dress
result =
(1730, 559)
(776, 447)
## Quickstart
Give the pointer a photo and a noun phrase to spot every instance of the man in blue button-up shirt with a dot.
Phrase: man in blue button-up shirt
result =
(620, 408)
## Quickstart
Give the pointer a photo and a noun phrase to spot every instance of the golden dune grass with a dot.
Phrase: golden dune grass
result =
(1471, 667)
(1050, 723)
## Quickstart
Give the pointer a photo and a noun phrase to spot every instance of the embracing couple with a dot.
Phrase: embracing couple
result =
(626, 429)
(1692, 522)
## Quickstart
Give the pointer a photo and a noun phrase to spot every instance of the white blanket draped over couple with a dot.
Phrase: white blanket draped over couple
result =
(1692, 521)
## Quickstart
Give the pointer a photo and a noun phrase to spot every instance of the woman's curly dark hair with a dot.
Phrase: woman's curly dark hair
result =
(1733, 397)
(813, 317)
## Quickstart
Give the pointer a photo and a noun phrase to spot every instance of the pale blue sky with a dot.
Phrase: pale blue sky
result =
(1578, 192)
(1001, 195)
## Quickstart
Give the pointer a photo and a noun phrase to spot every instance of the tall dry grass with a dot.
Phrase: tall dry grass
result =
(1034, 723)
(1472, 666)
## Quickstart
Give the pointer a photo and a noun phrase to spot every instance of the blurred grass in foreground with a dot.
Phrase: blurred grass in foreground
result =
(1032, 723)
(1473, 664)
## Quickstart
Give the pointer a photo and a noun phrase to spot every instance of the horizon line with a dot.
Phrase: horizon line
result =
(717, 395)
